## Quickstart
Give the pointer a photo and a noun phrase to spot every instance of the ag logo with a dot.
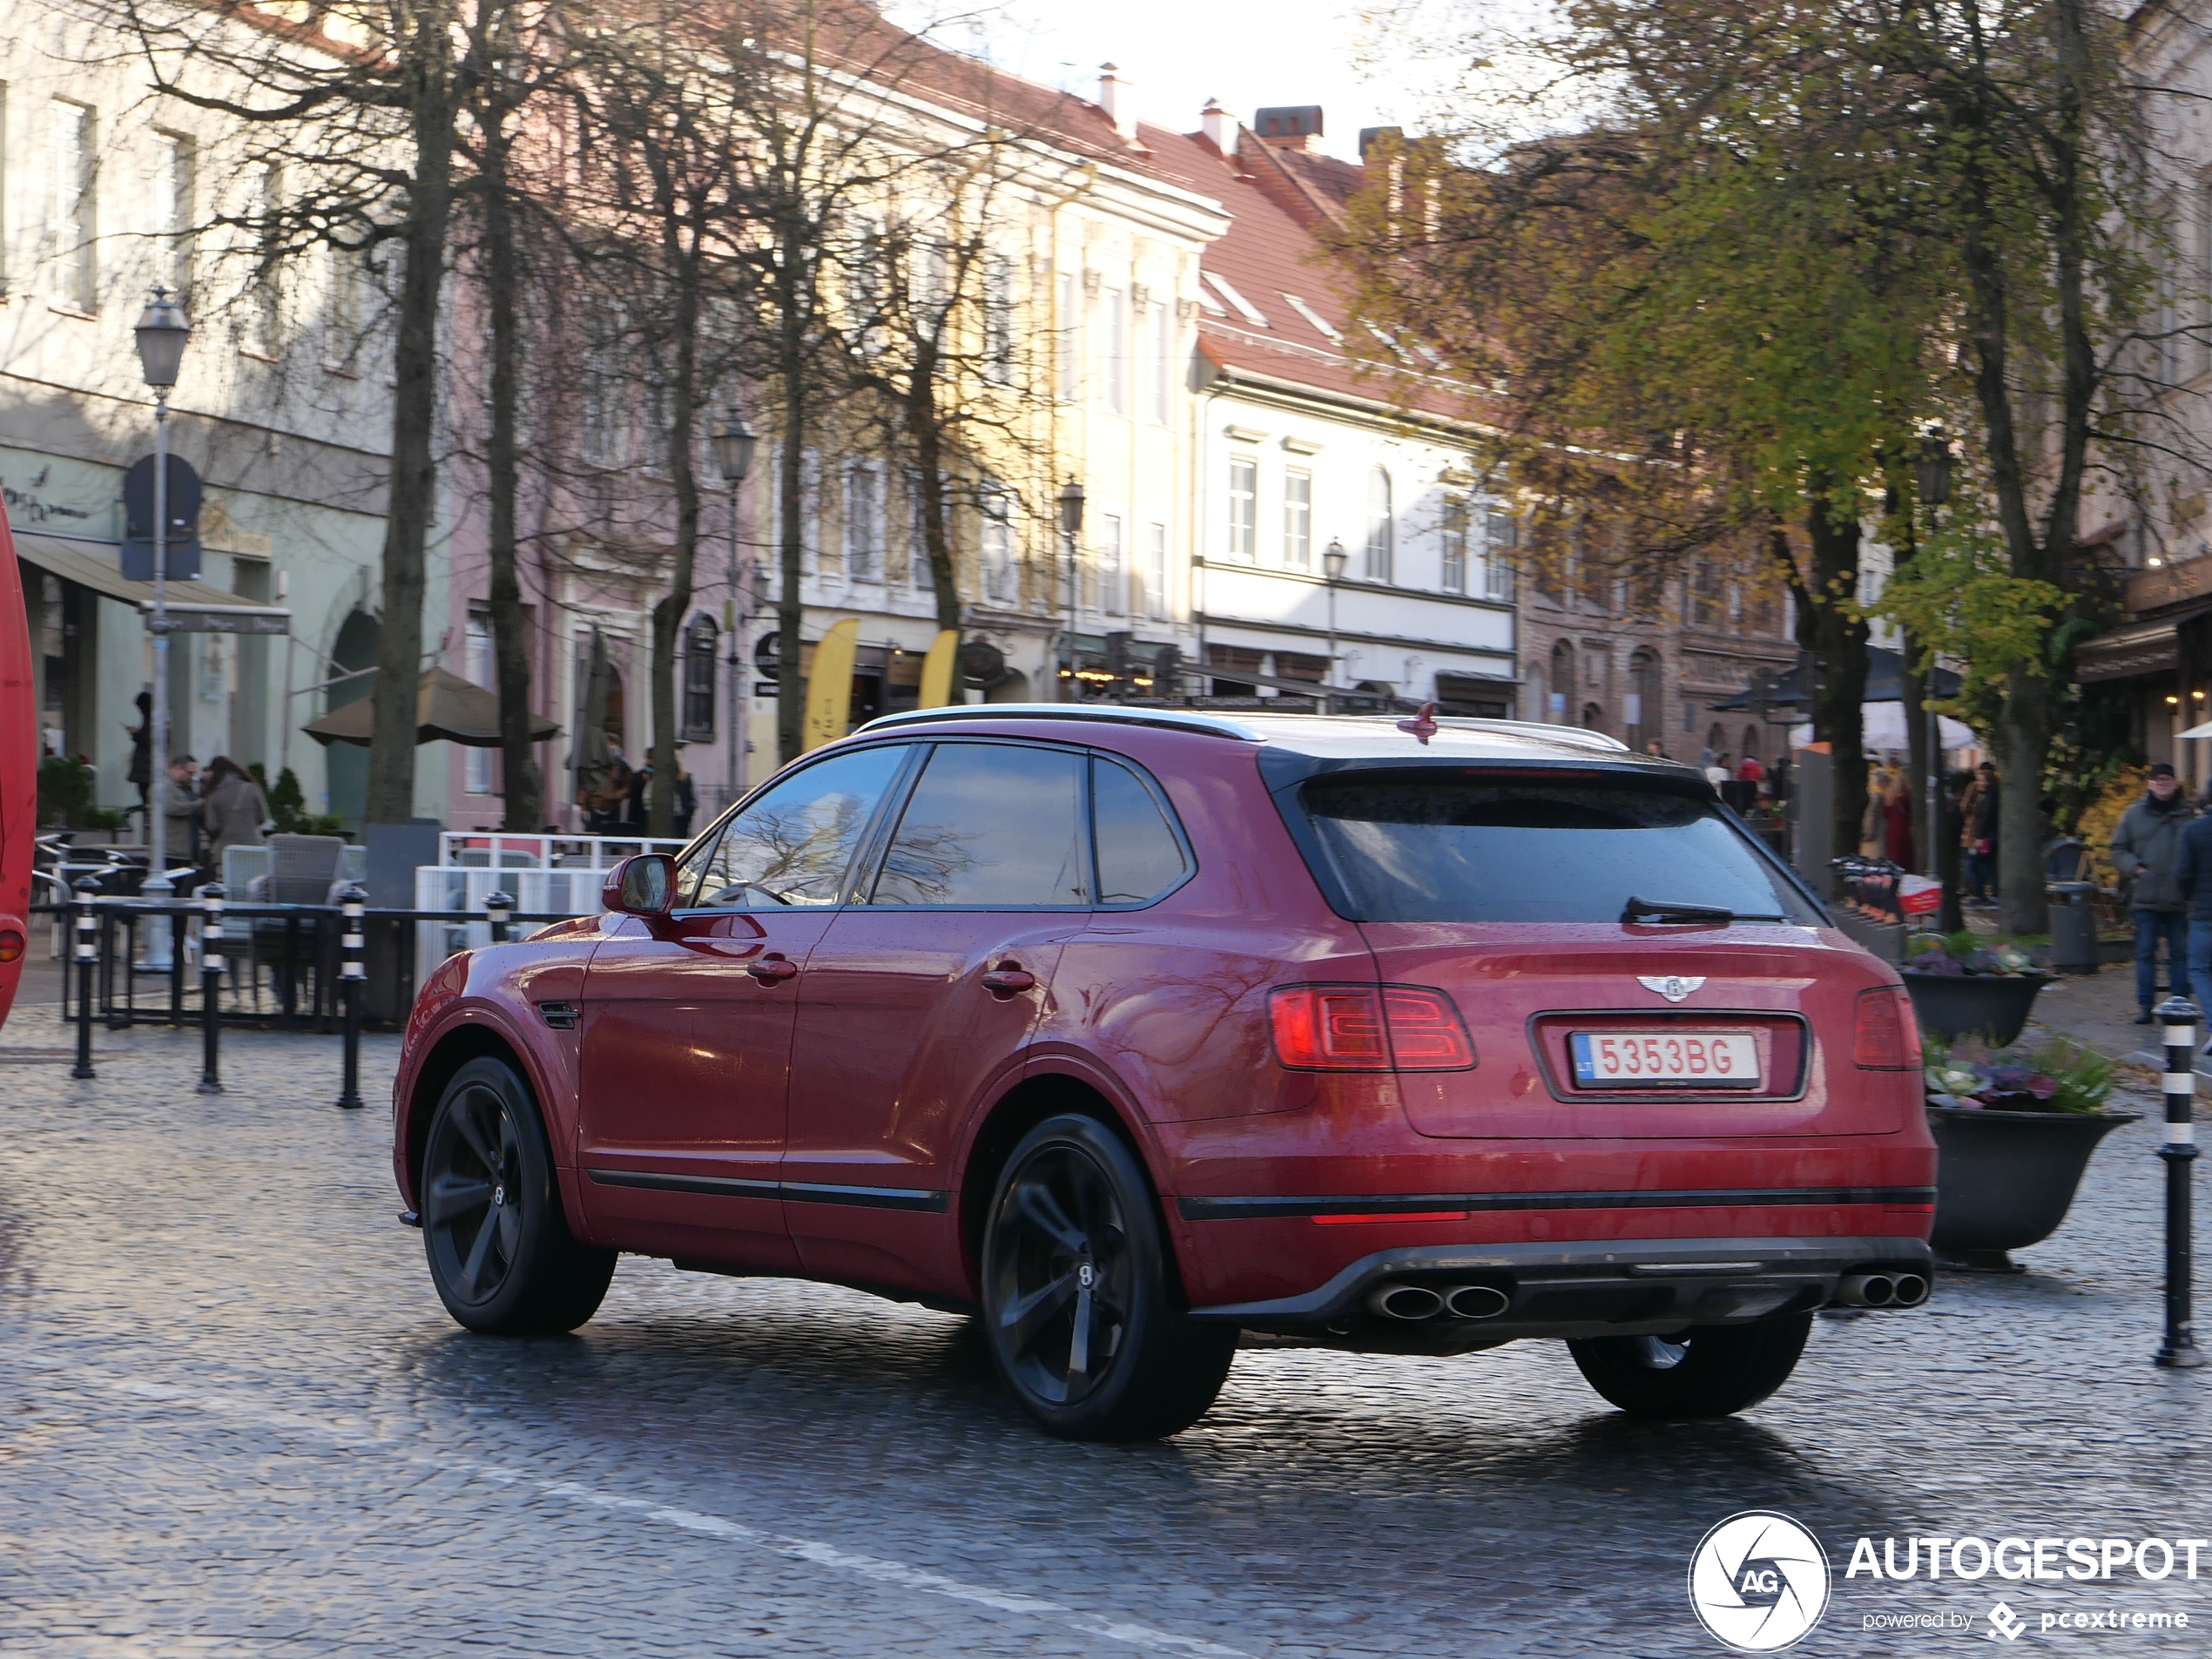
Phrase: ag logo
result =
(1759, 1581)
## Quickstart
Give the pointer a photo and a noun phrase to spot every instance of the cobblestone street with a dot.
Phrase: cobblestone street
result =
(233, 1419)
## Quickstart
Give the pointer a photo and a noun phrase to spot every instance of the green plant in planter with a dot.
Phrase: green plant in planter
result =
(1970, 955)
(2054, 1077)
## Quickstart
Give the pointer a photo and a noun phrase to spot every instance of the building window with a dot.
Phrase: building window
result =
(864, 522)
(1155, 570)
(172, 212)
(75, 203)
(603, 444)
(479, 666)
(1113, 349)
(1113, 582)
(998, 318)
(1067, 302)
(1244, 508)
(1159, 346)
(1455, 544)
(1297, 519)
(1562, 683)
(1382, 528)
(1500, 536)
(263, 320)
(1002, 579)
(700, 640)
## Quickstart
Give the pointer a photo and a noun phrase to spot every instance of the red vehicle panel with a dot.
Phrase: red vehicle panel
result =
(1132, 1029)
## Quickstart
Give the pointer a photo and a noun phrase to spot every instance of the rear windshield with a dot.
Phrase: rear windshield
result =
(1484, 850)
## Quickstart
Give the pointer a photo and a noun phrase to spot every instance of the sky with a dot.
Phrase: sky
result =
(1176, 54)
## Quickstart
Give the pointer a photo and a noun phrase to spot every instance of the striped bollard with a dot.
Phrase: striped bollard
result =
(87, 953)
(351, 975)
(499, 909)
(210, 981)
(2179, 1016)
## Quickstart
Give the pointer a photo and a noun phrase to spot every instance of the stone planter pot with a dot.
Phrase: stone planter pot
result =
(1973, 1005)
(2004, 1180)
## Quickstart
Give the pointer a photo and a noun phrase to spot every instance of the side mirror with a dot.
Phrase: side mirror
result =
(641, 885)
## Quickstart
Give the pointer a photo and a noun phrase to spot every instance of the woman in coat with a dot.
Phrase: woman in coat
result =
(233, 809)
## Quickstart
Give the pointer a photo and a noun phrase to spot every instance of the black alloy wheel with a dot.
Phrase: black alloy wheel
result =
(1084, 1320)
(1707, 1370)
(501, 1253)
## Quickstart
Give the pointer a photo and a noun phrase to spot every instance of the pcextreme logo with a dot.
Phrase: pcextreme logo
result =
(1759, 1581)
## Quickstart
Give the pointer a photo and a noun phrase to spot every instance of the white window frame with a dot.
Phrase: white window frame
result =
(1297, 518)
(1244, 508)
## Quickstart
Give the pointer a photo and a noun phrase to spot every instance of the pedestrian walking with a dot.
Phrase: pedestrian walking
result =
(1718, 772)
(180, 812)
(1896, 822)
(687, 798)
(140, 777)
(2147, 849)
(1978, 835)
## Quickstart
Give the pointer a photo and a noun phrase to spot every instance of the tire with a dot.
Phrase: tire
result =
(501, 1253)
(1080, 1309)
(1709, 1371)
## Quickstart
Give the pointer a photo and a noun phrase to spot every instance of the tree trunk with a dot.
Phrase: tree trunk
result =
(1920, 753)
(926, 433)
(414, 478)
(668, 614)
(520, 784)
(1839, 638)
(2025, 735)
(790, 609)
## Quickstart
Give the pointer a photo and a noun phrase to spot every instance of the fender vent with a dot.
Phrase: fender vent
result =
(560, 1016)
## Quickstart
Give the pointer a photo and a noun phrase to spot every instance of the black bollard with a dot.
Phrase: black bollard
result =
(87, 926)
(210, 980)
(2179, 1016)
(351, 977)
(499, 907)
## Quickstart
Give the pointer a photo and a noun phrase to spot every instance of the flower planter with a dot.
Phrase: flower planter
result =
(1974, 1005)
(2004, 1180)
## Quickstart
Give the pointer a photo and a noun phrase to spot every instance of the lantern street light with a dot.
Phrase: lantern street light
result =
(734, 443)
(1333, 559)
(162, 330)
(1071, 525)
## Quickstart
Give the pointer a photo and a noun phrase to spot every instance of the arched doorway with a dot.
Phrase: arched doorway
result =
(1563, 683)
(1715, 742)
(1751, 742)
(1593, 717)
(346, 765)
(1644, 717)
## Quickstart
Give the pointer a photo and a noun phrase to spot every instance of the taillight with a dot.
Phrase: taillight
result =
(1365, 1027)
(1888, 1037)
(10, 945)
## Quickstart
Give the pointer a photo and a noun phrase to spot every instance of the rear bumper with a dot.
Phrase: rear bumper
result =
(1608, 1288)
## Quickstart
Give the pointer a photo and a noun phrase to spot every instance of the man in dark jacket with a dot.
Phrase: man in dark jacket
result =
(2147, 847)
(2193, 875)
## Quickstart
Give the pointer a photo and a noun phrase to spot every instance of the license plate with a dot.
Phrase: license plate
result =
(1624, 1059)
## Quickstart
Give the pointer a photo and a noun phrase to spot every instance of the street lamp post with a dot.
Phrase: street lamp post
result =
(734, 443)
(1071, 525)
(1333, 559)
(162, 331)
(1931, 478)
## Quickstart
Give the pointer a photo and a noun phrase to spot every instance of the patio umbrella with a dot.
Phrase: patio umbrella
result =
(445, 706)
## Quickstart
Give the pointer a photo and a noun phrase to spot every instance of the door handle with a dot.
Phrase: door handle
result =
(1008, 979)
(772, 970)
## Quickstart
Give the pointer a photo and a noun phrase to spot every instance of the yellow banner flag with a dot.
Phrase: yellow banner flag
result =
(829, 684)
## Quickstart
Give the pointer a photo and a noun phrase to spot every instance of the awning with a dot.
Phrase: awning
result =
(445, 706)
(194, 607)
(2146, 648)
(1882, 672)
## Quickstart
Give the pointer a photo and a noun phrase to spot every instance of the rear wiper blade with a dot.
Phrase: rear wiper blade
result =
(1660, 910)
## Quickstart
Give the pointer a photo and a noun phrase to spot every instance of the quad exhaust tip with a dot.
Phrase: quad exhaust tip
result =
(1413, 1303)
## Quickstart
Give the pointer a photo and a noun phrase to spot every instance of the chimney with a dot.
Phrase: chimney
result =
(1291, 126)
(1218, 126)
(1118, 99)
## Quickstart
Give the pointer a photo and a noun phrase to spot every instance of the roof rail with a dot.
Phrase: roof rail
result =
(1174, 719)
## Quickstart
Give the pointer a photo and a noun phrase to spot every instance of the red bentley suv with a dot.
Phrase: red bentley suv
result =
(1129, 1030)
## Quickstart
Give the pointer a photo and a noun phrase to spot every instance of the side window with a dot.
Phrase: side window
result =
(793, 846)
(1140, 856)
(990, 825)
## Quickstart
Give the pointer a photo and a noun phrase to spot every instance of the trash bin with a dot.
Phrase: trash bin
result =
(2074, 926)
